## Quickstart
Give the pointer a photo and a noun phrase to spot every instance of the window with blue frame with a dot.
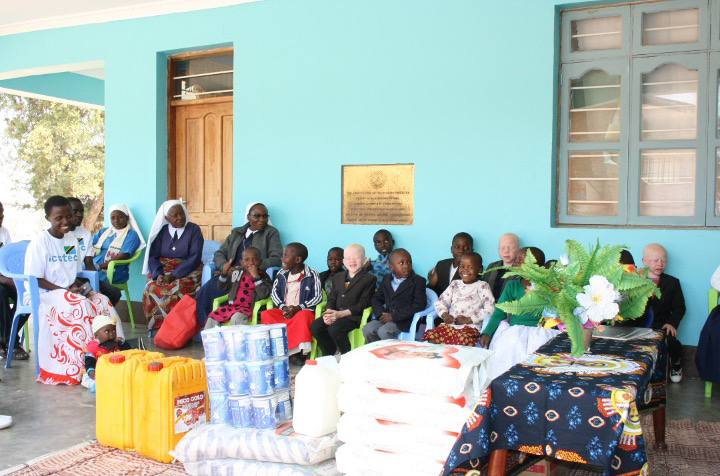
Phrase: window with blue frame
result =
(639, 123)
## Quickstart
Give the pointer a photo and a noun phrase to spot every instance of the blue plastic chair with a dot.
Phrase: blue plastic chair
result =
(428, 313)
(209, 249)
(12, 265)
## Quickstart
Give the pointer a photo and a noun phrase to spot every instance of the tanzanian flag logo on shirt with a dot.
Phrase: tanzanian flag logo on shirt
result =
(70, 250)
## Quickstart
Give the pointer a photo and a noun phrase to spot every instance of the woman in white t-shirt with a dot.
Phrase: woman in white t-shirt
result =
(65, 314)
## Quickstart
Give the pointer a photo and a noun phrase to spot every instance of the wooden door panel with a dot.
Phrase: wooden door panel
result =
(227, 155)
(203, 165)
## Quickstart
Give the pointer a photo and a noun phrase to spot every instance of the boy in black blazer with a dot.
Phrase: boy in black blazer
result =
(439, 277)
(351, 294)
(401, 295)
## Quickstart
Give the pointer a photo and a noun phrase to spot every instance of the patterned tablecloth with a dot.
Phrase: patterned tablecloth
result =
(583, 410)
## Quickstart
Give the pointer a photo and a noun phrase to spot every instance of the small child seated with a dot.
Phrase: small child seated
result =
(401, 295)
(446, 270)
(295, 293)
(247, 283)
(463, 306)
(669, 310)
(106, 341)
(334, 264)
(351, 294)
(384, 243)
(518, 336)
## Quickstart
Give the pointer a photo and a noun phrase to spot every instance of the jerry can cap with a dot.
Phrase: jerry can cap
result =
(311, 362)
(117, 359)
(155, 366)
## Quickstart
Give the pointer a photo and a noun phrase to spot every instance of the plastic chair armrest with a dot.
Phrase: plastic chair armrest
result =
(93, 277)
(430, 320)
(120, 262)
(218, 301)
(267, 302)
(320, 308)
(367, 312)
(207, 273)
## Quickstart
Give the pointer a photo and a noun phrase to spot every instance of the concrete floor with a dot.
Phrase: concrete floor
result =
(51, 418)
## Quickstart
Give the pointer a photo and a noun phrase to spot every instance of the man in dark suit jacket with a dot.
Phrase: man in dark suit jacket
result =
(401, 295)
(352, 291)
(669, 310)
(507, 249)
(439, 277)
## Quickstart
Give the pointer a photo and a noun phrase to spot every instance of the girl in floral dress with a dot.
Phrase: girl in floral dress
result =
(463, 306)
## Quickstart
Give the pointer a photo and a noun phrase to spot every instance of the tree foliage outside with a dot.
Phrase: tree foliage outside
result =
(61, 148)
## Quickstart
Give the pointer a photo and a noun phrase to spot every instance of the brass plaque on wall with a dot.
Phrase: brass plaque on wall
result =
(378, 194)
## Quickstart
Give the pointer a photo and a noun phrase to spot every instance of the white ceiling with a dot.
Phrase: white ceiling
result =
(20, 17)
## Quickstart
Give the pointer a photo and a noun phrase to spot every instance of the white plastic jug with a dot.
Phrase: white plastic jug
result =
(316, 385)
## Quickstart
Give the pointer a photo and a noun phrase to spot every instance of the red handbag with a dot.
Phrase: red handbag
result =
(179, 326)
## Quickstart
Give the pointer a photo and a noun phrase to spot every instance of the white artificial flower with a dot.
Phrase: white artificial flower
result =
(564, 259)
(599, 300)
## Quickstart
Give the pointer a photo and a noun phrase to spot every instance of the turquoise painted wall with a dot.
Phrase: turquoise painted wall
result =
(72, 86)
(465, 90)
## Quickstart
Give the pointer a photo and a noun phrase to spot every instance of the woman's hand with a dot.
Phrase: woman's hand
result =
(103, 266)
(74, 288)
(447, 318)
(169, 278)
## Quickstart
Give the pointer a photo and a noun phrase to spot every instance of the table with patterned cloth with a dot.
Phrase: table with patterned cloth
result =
(581, 410)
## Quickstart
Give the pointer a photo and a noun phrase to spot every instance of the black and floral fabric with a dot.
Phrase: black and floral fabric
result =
(581, 410)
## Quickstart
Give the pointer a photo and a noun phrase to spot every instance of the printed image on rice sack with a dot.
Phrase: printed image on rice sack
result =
(448, 413)
(418, 367)
(395, 437)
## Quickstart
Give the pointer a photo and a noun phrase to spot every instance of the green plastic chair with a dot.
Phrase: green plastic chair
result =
(267, 303)
(357, 339)
(123, 286)
(713, 297)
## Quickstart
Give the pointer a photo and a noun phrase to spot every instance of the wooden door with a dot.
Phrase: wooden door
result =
(201, 173)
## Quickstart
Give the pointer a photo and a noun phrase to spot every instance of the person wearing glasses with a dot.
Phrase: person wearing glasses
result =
(257, 232)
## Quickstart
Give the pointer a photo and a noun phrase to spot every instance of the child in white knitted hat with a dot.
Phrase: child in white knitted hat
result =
(106, 341)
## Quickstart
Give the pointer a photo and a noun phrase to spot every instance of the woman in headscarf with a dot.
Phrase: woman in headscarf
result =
(173, 262)
(119, 241)
(257, 232)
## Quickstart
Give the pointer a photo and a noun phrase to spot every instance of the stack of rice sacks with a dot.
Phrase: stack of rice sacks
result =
(248, 375)
(404, 404)
(250, 411)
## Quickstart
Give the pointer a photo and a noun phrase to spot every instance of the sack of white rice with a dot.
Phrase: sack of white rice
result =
(235, 467)
(395, 437)
(429, 411)
(279, 445)
(357, 460)
(418, 367)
